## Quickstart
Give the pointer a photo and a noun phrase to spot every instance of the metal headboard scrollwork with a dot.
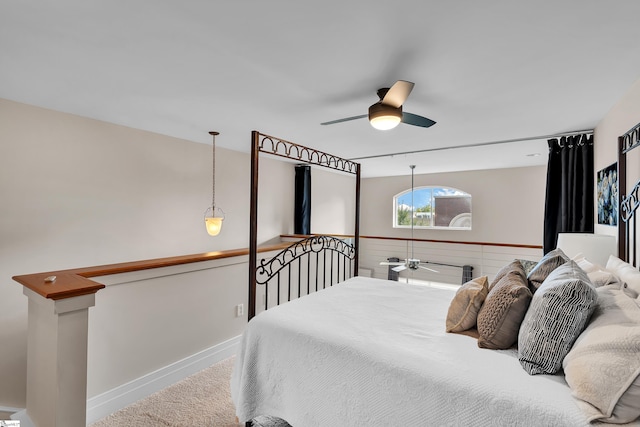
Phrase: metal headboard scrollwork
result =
(629, 202)
(308, 263)
(261, 143)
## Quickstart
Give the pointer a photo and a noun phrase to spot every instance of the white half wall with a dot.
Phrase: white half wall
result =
(78, 192)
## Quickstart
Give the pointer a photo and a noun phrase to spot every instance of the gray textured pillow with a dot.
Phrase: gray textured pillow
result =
(559, 312)
(501, 314)
(545, 266)
(463, 310)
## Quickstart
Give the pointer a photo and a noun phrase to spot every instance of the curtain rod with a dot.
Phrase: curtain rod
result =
(506, 141)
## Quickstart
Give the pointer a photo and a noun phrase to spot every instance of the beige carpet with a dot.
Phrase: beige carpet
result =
(201, 400)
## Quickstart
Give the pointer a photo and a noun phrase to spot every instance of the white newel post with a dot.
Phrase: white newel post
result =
(57, 360)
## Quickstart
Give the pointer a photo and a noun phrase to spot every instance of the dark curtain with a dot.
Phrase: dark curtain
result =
(570, 188)
(302, 200)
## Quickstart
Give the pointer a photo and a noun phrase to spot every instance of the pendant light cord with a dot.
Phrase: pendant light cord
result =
(413, 208)
(213, 174)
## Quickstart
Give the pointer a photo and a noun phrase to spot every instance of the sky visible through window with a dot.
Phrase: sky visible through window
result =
(422, 196)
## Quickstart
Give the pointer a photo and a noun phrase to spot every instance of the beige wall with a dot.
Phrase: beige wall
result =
(332, 202)
(503, 201)
(78, 192)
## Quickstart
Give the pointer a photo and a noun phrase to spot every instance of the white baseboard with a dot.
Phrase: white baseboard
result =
(113, 400)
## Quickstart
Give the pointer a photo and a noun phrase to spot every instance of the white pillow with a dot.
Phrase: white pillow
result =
(598, 275)
(585, 264)
(604, 278)
(626, 272)
(603, 367)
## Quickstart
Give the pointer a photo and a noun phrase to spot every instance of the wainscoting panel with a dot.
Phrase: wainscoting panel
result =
(486, 259)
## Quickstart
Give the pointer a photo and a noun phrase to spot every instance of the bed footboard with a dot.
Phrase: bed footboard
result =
(306, 266)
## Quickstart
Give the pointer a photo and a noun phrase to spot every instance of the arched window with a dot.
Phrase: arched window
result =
(433, 207)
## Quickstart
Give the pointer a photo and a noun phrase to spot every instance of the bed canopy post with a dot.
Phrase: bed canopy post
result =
(253, 223)
(356, 233)
(622, 190)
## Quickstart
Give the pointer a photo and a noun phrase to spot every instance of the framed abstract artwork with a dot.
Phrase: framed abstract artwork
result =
(607, 195)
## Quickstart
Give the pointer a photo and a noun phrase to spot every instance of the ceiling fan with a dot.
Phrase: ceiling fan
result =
(410, 263)
(387, 113)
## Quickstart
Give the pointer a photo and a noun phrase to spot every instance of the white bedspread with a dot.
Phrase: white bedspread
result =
(370, 352)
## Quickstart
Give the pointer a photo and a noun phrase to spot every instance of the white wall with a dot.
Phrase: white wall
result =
(78, 192)
(145, 321)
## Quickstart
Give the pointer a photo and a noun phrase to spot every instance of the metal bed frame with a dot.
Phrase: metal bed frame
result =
(339, 252)
(629, 202)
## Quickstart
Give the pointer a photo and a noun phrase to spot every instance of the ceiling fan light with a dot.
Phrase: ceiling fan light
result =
(384, 117)
(385, 122)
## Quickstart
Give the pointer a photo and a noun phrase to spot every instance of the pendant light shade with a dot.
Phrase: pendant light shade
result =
(213, 216)
(213, 223)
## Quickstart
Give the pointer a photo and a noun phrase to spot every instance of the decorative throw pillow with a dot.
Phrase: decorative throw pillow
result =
(603, 367)
(527, 265)
(626, 272)
(463, 310)
(501, 314)
(513, 265)
(559, 312)
(545, 266)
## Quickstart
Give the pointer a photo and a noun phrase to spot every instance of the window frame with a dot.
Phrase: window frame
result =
(431, 227)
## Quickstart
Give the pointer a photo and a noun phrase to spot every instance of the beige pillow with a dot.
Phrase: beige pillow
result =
(463, 310)
(603, 367)
(501, 314)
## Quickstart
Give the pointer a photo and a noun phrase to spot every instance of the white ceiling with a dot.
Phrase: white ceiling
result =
(485, 71)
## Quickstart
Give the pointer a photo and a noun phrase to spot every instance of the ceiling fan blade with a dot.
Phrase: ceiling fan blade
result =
(413, 119)
(345, 119)
(430, 269)
(391, 263)
(398, 93)
(399, 268)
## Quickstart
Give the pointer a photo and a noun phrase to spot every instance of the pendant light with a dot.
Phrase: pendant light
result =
(213, 216)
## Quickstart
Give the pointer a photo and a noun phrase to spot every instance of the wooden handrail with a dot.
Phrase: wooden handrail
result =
(76, 282)
(511, 245)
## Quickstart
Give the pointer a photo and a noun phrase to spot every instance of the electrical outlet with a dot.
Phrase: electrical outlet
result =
(239, 310)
